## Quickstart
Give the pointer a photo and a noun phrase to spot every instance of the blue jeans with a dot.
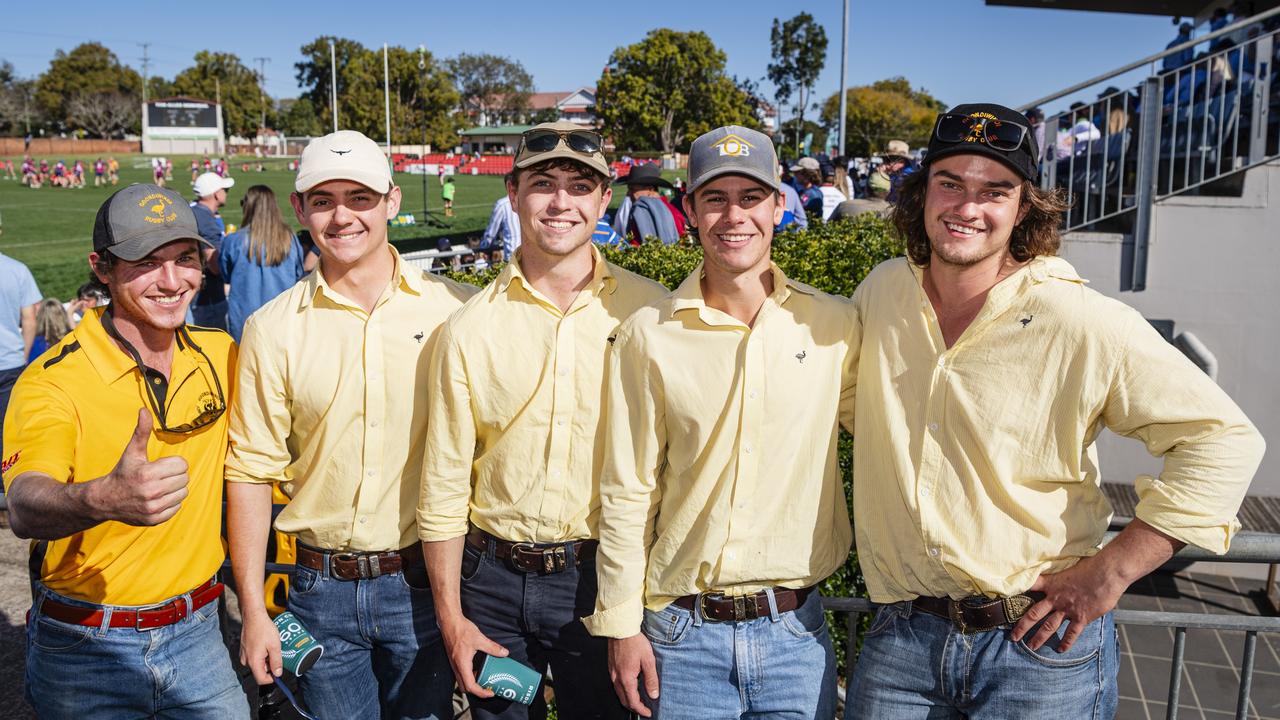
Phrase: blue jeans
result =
(771, 667)
(915, 666)
(177, 671)
(383, 656)
(538, 619)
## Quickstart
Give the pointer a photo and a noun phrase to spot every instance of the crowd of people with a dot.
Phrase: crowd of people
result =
(632, 487)
(37, 173)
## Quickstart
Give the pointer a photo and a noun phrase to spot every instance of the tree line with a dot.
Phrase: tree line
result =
(657, 94)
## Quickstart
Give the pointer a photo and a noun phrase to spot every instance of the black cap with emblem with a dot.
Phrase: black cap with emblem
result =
(986, 129)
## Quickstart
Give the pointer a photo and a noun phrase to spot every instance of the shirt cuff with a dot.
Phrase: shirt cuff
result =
(1170, 517)
(433, 527)
(620, 621)
(240, 476)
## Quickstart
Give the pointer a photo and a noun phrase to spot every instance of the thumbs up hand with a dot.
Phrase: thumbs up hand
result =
(138, 491)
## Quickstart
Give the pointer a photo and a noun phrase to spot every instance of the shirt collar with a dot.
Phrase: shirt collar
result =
(110, 361)
(411, 282)
(688, 296)
(603, 281)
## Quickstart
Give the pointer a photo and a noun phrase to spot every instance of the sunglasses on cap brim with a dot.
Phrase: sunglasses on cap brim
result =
(586, 142)
(998, 134)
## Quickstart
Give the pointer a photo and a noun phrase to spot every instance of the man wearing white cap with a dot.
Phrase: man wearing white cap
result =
(334, 412)
(209, 309)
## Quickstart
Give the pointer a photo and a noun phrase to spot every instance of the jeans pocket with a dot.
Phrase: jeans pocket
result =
(808, 620)
(303, 580)
(883, 620)
(665, 627)
(416, 579)
(472, 560)
(53, 636)
(1087, 647)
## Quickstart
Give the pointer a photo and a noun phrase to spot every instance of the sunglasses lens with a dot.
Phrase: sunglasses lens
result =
(584, 142)
(1002, 136)
(541, 142)
(953, 128)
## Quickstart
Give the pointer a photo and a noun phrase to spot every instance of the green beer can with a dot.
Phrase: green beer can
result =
(298, 648)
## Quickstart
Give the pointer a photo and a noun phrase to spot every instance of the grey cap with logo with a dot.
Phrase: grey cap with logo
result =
(733, 150)
(137, 220)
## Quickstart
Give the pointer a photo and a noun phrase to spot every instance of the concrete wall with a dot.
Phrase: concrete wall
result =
(1214, 269)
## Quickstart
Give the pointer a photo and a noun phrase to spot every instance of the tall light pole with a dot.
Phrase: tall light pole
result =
(844, 66)
(422, 71)
(262, 90)
(333, 83)
(386, 93)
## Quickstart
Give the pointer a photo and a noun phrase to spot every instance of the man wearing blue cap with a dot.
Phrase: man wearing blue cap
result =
(987, 370)
(721, 501)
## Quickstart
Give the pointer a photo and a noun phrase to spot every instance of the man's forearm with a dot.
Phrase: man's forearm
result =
(1137, 551)
(444, 567)
(45, 509)
(248, 527)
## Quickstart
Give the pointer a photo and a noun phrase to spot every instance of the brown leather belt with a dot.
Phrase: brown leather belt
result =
(978, 614)
(541, 558)
(731, 608)
(360, 565)
(156, 616)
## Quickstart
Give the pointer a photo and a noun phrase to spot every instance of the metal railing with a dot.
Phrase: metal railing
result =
(1176, 131)
(426, 259)
(1245, 548)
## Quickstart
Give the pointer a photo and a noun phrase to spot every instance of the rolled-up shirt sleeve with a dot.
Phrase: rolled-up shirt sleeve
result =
(1210, 449)
(635, 448)
(261, 421)
(445, 502)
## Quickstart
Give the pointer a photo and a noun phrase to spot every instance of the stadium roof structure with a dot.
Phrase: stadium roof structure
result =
(1184, 8)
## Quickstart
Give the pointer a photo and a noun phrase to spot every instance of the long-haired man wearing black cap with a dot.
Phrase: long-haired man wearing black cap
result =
(987, 369)
(115, 445)
(721, 501)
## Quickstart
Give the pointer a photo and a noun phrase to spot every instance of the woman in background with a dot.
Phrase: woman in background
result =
(51, 324)
(261, 260)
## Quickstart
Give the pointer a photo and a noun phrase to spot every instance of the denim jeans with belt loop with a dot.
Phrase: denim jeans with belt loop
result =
(383, 655)
(179, 672)
(780, 666)
(915, 665)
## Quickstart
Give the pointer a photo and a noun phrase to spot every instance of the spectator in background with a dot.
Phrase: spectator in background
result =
(606, 235)
(1075, 138)
(504, 227)
(651, 213)
(844, 183)
(897, 166)
(209, 309)
(1184, 57)
(51, 325)
(260, 261)
(1035, 120)
(89, 296)
(447, 191)
(793, 210)
(808, 179)
(831, 195)
(18, 298)
(874, 202)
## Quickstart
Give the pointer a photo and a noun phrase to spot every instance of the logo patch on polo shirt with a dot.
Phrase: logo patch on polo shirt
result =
(9, 462)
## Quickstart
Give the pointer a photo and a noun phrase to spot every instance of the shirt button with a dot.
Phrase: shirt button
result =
(746, 449)
(942, 362)
(373, 423)
(369, 473)
(933, 426)
(363, 519)
(933, 552)
(924, 492)
(729, 554)
(752, 394)
(562, 372)
(560, 423)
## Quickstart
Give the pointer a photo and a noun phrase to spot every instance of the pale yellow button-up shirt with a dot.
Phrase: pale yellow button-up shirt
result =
(515, 390)
(974, 466)
(720, 464)
(332, 405)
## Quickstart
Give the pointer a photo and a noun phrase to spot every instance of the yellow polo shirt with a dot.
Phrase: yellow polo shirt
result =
(333, 407)
(974, 465)
(515, 393)
(71, 415)
(720, 468)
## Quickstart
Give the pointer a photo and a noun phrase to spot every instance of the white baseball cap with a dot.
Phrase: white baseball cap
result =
(210, 183)
(343, 155)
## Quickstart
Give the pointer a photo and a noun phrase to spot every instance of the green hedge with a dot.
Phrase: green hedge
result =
(833, 258)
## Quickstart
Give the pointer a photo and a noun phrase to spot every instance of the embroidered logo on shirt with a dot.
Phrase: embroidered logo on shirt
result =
(1026, 320)
(612, 338)
(801, 356)
(9, 462)
(419, 337)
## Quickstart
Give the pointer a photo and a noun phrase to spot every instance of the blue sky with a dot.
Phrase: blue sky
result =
(959, 50)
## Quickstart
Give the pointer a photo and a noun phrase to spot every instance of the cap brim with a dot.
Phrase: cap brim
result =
(770, 182)
(378, 183)
(140, 246)
(979, 149)
(562, 152)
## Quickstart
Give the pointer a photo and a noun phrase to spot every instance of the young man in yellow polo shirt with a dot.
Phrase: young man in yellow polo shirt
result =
(334, 410)
(513, 437)
(987, 370)
(721, 500)
(116, 443)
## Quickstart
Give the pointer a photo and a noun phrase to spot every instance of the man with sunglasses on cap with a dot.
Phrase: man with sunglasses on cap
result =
(722, 506)
(334, 411)
(115, 445)
(987, 370)
(509, 509)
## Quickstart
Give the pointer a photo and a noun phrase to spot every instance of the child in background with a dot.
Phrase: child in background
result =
(447, 192)
(51, 325)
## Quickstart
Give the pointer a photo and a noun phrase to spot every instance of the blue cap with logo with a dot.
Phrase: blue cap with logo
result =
(733, 150)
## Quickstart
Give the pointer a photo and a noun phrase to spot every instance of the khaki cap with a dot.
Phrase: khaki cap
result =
(526, 157)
